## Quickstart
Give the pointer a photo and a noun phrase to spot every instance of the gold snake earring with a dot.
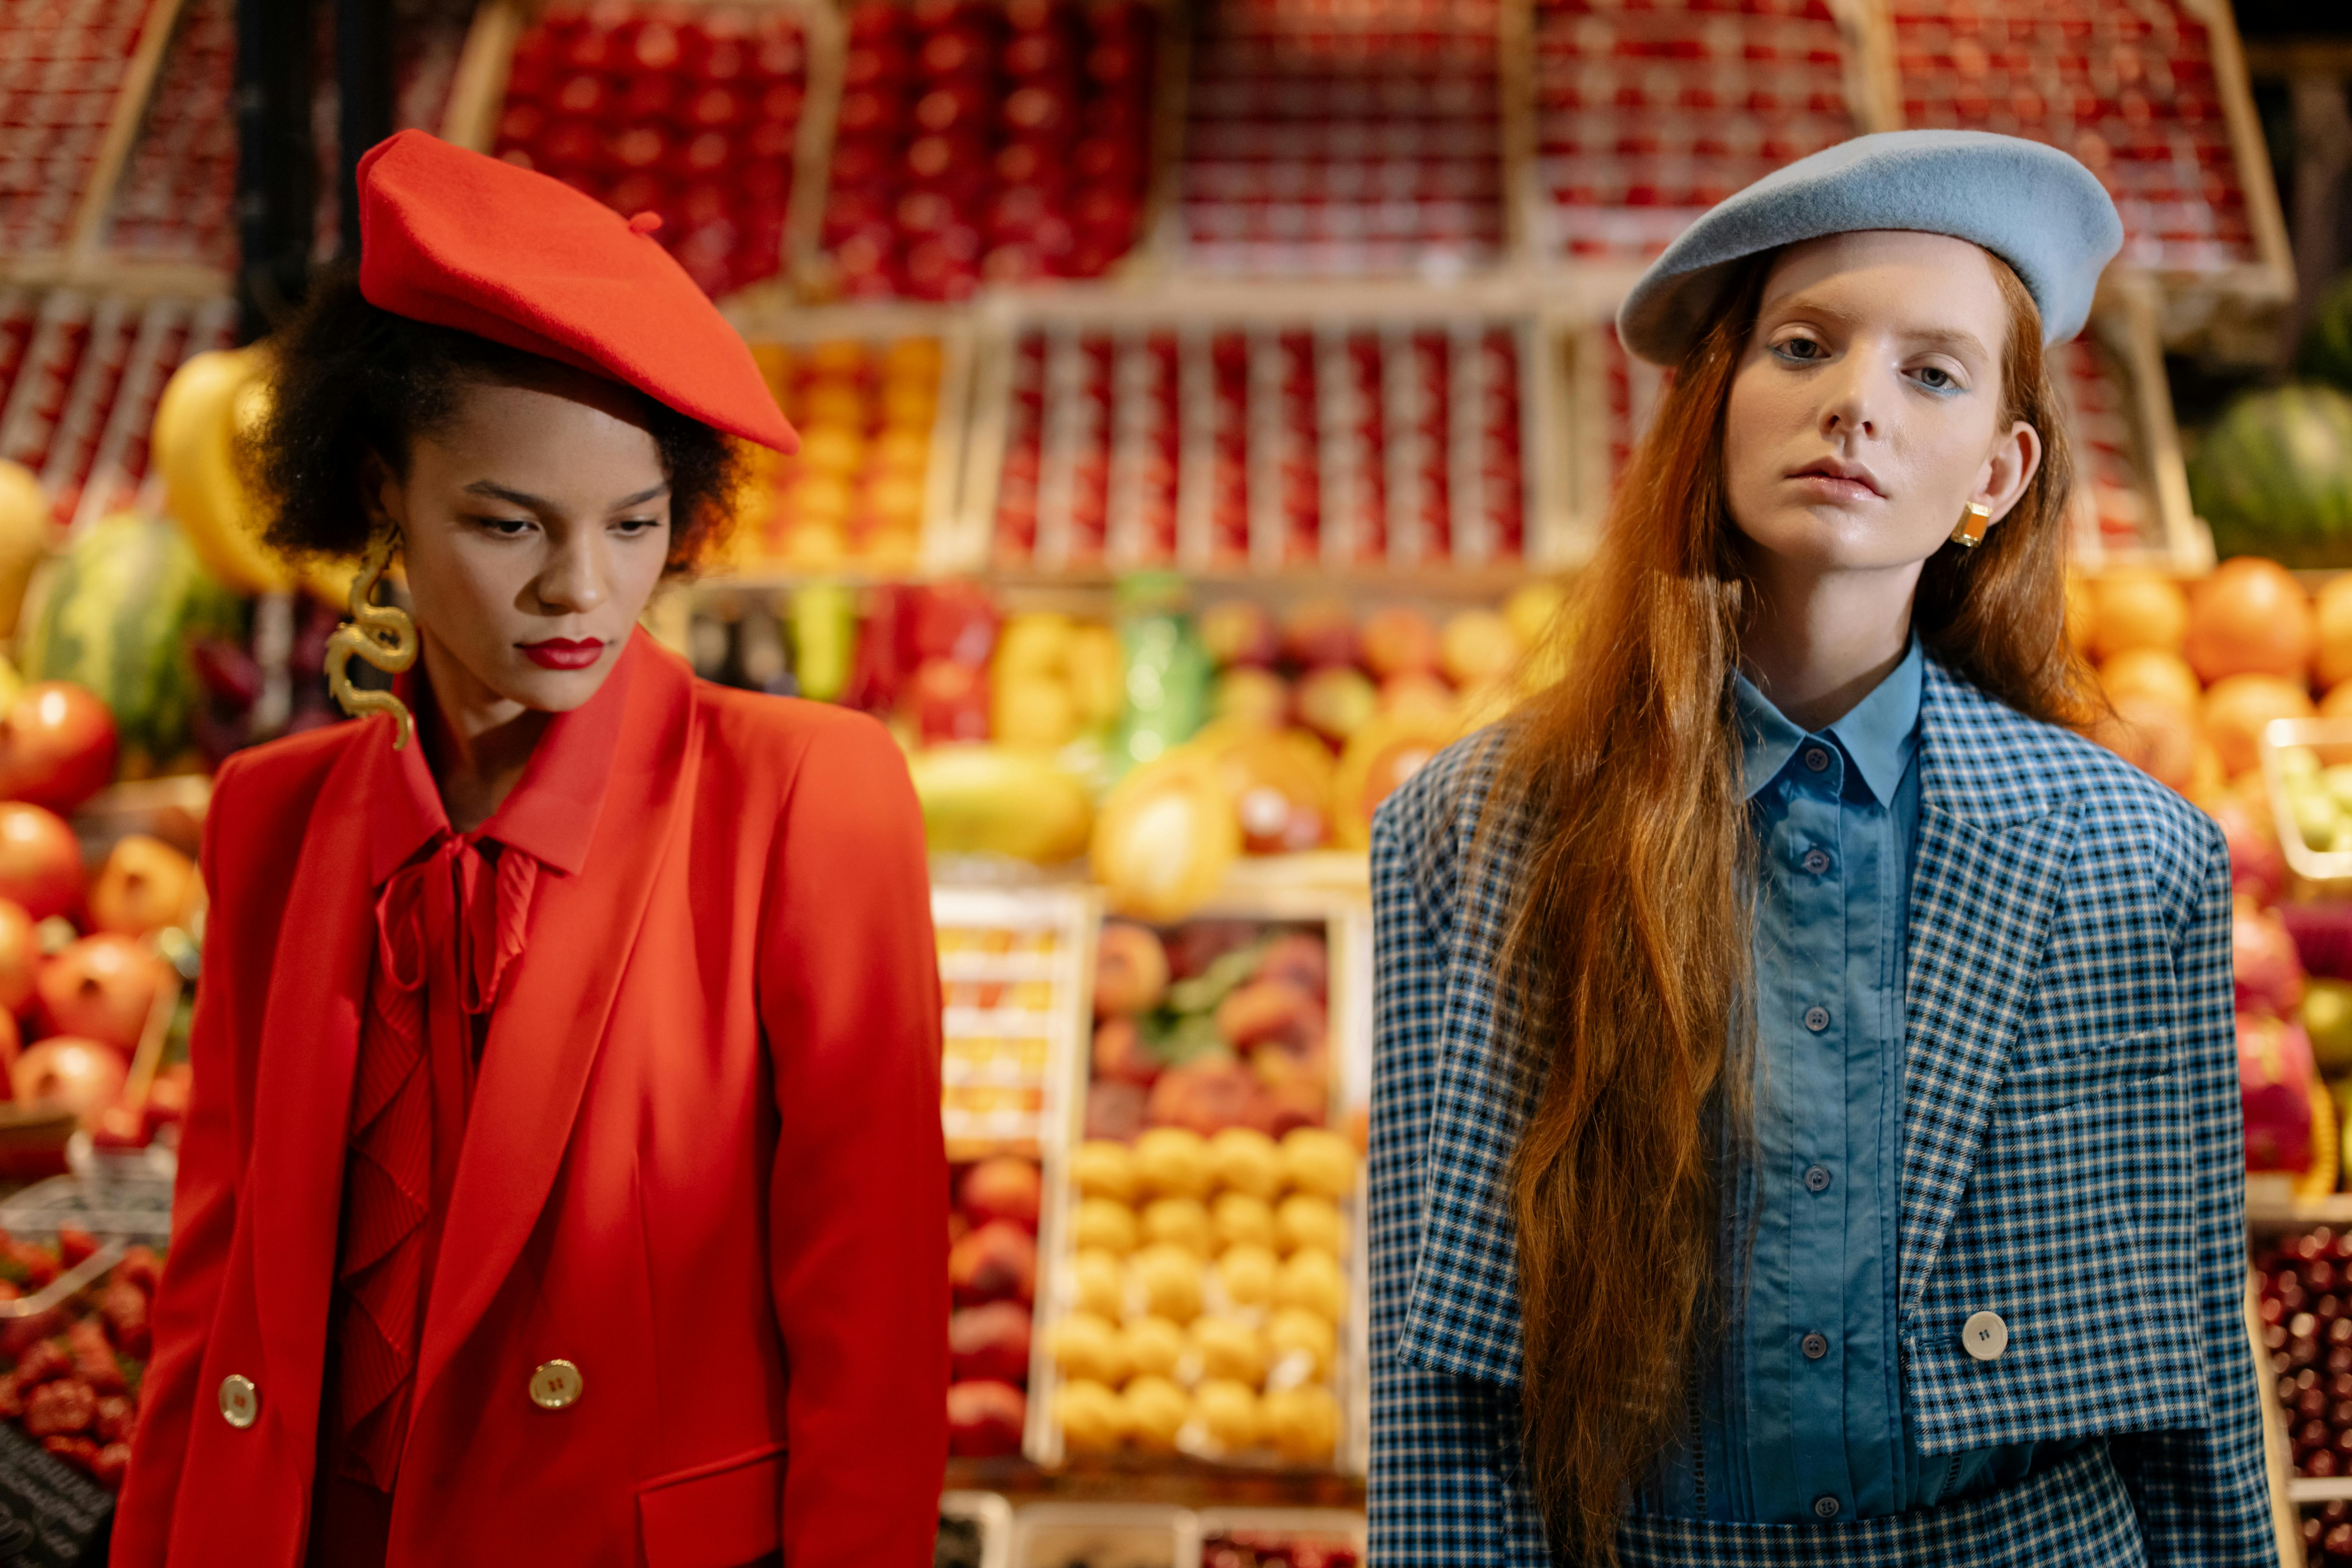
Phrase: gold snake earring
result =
(384, 635)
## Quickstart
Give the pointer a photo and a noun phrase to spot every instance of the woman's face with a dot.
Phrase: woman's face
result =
(1866, 413)
(535, 526)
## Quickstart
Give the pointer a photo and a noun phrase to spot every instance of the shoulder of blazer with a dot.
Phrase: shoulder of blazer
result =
(755, 732)
(1985, 763)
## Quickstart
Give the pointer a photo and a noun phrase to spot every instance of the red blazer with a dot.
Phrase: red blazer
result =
(703, 1165)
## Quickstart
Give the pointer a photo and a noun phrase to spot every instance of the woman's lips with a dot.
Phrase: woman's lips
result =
(562, 653)
(1833, 486)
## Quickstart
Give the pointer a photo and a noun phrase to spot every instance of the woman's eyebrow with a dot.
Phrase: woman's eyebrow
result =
(495, 492)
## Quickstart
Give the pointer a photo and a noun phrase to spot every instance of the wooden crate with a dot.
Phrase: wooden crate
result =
(486, 85)
(1121, 403)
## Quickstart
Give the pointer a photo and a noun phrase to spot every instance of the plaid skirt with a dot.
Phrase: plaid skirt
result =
(2076, 1512)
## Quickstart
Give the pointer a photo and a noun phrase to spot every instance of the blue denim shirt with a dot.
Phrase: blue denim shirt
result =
(1803, 1415)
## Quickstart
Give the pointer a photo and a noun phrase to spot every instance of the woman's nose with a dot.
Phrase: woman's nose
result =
(574, 581)
(1848, 403)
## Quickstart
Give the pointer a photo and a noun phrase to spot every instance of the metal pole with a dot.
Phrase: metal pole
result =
(363, 77)
(276, 183)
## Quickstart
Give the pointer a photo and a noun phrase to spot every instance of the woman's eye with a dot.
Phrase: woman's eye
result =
(633, 526)
(507, 527)
(1804, 350)
(1935, 378)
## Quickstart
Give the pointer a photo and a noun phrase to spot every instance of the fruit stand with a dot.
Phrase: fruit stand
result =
(1204, 405)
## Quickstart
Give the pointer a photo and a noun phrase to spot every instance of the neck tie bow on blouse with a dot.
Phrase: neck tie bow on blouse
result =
(448, 926)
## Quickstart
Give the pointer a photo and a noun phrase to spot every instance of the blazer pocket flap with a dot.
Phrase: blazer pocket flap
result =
(715, 1516)
(2056, 1082)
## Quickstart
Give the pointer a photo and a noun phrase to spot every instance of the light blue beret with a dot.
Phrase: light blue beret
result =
(2031, 204)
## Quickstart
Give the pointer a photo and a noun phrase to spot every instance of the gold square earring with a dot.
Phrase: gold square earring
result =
(1974, 521)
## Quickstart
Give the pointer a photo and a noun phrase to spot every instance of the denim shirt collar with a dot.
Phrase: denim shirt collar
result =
(1879, 734)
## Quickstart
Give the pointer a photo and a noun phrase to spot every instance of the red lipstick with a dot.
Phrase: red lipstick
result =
(563, 653)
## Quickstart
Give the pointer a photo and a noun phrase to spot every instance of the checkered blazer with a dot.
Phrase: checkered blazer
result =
(2071, 1152)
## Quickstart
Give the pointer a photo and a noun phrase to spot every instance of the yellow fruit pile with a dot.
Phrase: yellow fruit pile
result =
(1206, 1295)
(855, 491)
(1053, 679)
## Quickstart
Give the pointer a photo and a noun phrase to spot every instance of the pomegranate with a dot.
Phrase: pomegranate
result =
(2257, 866)
(2274, 1073)
(84, 1076)
(2264, 959)
(56, 745)
(144, 887)
(1004, 1188)
(40, 860)
(984, 1419)
(102, 987)
(20, 956)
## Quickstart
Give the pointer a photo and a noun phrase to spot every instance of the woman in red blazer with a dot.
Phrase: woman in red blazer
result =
(563, 1182)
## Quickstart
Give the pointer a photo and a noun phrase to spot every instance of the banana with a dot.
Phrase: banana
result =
(27, 529)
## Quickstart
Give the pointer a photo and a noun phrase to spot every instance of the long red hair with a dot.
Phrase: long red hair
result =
(1626, 966)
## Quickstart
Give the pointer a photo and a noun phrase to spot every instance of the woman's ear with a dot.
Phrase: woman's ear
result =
(2016, 458)
(382, 496)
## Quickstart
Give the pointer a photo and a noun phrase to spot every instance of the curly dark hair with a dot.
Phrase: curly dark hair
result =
(349, 381)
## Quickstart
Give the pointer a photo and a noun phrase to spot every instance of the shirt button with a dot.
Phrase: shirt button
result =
(1817, 861)
(1825, 1508)
(240, 1401)
(1815, 1347)
(1817, 1019)
(1818, 761)
(1816, 1179)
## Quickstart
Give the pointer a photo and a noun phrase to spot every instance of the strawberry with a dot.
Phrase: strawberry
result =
(117, 1418)
(75, 1244)
(140, 1267)
(123, 1309)
(94, 1357)
(57, 1409)
(80, 1452)
(109, 1465)
(43, 1360)
(38, 1264)
(12, 1398)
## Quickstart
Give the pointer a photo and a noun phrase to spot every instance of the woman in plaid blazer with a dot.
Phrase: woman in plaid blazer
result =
(1795, 859)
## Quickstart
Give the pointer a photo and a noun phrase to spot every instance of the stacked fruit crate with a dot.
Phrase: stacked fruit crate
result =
(1256, 440)
(177, 194)
(1647, 115)
(62, 63)
(693, 114)
(1356, 141)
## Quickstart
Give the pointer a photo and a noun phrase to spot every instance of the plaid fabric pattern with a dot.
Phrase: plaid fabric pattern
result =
(2070, 1151)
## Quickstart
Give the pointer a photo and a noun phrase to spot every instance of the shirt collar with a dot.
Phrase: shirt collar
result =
(552, 814)
(1877, 734)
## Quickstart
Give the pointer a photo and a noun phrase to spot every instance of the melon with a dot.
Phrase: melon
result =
(1167, 835)
(116, 615)
(2274, 477)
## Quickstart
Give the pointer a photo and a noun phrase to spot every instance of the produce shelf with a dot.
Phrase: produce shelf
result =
(1221, 433)
(76, 404)
(708, 115)
(1647, 115)
(1363, 140)
(176, 198)
(1014, 969)
(64, 67)
(985, 142)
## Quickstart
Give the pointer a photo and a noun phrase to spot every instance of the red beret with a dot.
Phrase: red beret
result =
(462, 241)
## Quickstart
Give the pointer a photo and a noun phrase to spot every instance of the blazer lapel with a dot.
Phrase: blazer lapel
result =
(302, 1094)
(544, 1036)
(1992, 853)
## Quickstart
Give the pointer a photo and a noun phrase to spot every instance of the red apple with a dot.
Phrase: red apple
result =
(84, 1076)
(40, 860)
(1235, 631)
(20, 956)
(2264, 959)
(1209, 1094)
(56, 745)
(1004, 1188)
(997, 1262)
(144, 887)
(1299, 959)
(985, 1418)
(1337, 700)
(102, 987)
(1320, 632)
(991, 1342)
(1120, 1056)
(1270, 1011)
(1115, 1112)
(1399, 641)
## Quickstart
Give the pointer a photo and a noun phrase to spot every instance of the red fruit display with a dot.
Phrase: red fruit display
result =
(1004, 1188)
(689, 115)
(984, 1419)
(82, 1076)
(2263, 958)
(991, 1342)
(56, 745)
(997, 1262)
(977, 143)
(40, 860)
(144, 886)
(1131, 970)
(20, 956)
(71, 1369)
(102, 987)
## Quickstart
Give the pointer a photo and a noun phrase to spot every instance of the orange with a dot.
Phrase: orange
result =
(2250, 617)
(2132, 606)
(2151, 672)
(2333, 614)
(2238, 706)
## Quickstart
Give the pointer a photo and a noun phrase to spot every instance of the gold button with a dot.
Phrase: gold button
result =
(555, 1385)
(240, 1401)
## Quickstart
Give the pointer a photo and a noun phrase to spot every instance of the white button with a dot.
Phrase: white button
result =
(1984, 1336)
(240, 1401)
(555, 1385)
